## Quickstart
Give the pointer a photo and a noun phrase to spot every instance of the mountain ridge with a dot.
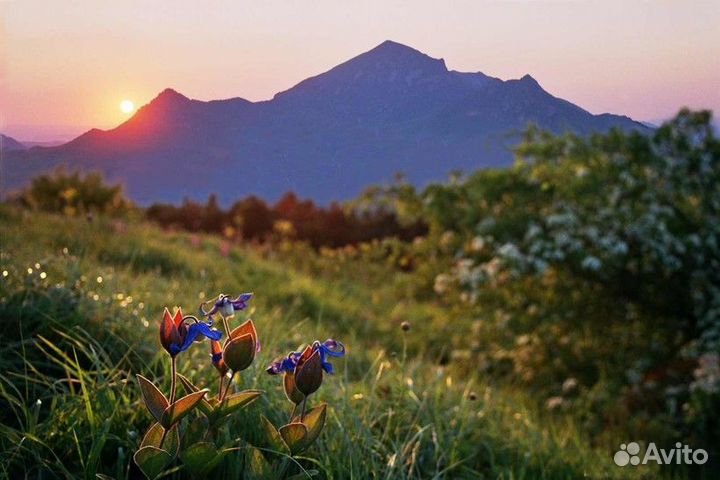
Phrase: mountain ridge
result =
(9, 144)
(390, 109)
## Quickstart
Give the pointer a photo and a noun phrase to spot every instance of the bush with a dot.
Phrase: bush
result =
(594, 261)
(73, 194)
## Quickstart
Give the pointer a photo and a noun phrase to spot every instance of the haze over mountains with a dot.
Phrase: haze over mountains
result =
(391, 109)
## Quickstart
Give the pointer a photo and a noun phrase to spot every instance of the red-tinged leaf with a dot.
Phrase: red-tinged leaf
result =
(246, 328)
(205, 406)
(154, 400)
(175, 412)
(238, 400)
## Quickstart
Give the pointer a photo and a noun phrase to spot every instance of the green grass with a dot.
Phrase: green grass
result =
(81, 304)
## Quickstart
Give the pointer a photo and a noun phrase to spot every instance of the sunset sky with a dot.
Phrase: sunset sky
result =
(68, 65)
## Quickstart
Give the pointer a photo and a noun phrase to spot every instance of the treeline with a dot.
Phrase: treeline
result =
(255, 220)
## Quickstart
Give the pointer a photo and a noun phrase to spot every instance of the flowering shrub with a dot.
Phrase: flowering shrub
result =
(594, 258)
(201, 451)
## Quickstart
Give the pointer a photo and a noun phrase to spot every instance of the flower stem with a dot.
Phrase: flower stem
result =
(220, 388)
(227, 328)
(302, 415)
(173, 379)
(173, 387)
(227, 388)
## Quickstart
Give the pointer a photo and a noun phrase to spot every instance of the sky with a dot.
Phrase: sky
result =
(66, 65)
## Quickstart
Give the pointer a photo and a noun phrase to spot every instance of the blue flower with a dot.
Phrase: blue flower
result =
(176, 336)
(329, 348)
(226, 306)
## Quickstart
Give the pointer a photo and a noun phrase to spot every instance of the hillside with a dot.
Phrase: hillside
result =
(99, 289)
(391, 109)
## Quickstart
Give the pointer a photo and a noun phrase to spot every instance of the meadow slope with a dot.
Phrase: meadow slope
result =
(81, 302)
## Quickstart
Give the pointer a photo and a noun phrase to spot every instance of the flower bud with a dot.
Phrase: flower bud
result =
(239, 352)
(217, 357)
(309, 372)
(291, 391)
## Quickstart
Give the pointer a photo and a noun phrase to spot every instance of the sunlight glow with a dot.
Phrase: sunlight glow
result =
(126, 106)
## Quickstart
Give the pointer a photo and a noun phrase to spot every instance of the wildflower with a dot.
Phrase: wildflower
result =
(226, 306)
(176, 336)
(303, 370)
(288, 364)
(405, 326)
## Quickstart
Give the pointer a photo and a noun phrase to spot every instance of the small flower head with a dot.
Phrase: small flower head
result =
(240, 350)
(176, 336)
(227, 306)
(304, 370)
(405, 326)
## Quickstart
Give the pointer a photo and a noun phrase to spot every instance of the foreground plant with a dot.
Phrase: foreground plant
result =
(206, 439)
(178, 332)
(302, 376)
(161, 442)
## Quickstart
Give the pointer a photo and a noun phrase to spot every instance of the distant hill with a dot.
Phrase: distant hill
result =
(8, 144)
(390, 109)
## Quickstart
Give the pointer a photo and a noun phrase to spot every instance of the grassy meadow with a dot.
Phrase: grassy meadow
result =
(82, 303)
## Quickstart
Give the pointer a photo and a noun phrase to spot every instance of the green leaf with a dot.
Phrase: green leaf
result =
(295, 435)
(238, 400)
(102, 476)
(314, 421)
(152, 461)
(175, 412)
(200, 458)
(259, 467)
(196, 431)
(274, 439)
(205, 406)
(154, 435)
(155, 401)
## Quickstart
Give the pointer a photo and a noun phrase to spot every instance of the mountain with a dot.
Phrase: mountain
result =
(391, 109)
(9, 144)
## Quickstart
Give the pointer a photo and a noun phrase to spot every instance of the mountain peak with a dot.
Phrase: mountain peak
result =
(529, 80)
(169, 97)
(391, 53)
(392, 46)
(169, 100)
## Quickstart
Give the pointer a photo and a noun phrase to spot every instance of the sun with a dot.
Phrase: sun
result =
(126, 106)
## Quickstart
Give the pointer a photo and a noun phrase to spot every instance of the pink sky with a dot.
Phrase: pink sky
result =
(67, 65)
